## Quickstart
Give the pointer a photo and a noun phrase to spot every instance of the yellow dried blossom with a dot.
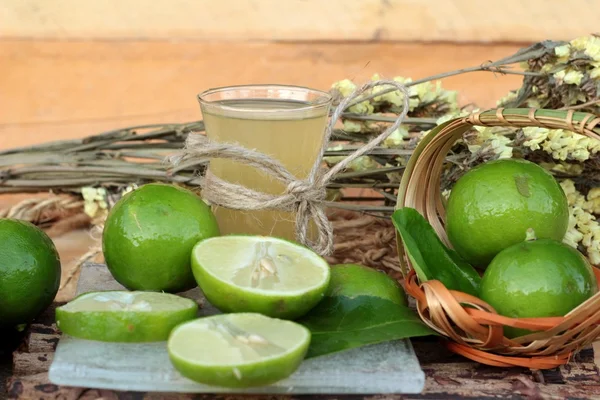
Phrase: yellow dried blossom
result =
(594, 71)
(568, 168)
(562, 144)
(402, 161)
(95, 200)
(352, 126)
(364, 107)
(535, 136)
(589, 44)
(345, 88)
(396, 139)
(589, 227)
(394, 177)
(574, 198)
(396, 97)
(430, 92)
(579, 43)
(334, 159)
(451, 98)
(593, 201)
(572, 236)
(589, 203)
(583, 227)
(360, 164)
(569, 76)
(490, 141)
(563, 52)
(423, 93)
(592, 49)
(547, 68)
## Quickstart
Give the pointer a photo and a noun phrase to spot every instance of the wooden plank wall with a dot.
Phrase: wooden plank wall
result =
(301, 20)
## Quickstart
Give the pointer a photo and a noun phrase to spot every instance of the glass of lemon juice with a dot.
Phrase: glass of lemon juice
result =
(285, 122)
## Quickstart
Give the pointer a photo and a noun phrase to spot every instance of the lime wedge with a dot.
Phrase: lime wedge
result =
(260, 274)
(123, 316)
(238, 350)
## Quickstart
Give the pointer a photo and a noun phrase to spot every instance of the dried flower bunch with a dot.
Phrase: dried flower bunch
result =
(557, 75)
(570, 78)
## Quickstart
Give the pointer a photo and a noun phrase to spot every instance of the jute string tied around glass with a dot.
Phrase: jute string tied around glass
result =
(304, 197)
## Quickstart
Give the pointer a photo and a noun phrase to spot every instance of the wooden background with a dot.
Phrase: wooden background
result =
(300, 20)
(70, 68)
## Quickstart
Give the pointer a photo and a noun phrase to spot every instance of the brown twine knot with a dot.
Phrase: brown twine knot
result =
(305, 197)
(305, 190)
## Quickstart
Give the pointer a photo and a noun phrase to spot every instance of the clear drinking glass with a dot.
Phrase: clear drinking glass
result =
(286, 122)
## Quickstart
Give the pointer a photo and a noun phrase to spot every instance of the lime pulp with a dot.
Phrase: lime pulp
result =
(238, 350)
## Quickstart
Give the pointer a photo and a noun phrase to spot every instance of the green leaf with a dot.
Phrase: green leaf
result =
(340, 323)
(430, 258)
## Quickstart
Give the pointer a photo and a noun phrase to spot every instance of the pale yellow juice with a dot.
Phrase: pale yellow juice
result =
(293, 135)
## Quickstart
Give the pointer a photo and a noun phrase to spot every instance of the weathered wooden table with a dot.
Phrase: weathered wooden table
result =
(448, 376)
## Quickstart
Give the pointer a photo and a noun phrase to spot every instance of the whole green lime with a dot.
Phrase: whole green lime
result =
(352, 280)
(493, 205)
(29, 272)
(149, 235)
(538, 278)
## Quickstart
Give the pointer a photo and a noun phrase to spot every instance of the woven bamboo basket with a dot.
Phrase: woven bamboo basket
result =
(470, 326)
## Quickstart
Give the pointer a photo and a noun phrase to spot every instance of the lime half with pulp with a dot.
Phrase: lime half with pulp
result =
(123, 316)
(238, 350)
(260, 274)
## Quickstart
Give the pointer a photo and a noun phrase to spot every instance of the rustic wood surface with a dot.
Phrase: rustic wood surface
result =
(448, 376)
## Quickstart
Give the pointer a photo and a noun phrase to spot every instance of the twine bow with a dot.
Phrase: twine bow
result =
(304, 197)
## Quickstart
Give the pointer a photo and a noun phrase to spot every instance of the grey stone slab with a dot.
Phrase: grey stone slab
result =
(390, 367)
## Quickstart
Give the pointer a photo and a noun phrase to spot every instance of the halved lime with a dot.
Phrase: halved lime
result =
(123, 316)
(238, 350)
(260, 274)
